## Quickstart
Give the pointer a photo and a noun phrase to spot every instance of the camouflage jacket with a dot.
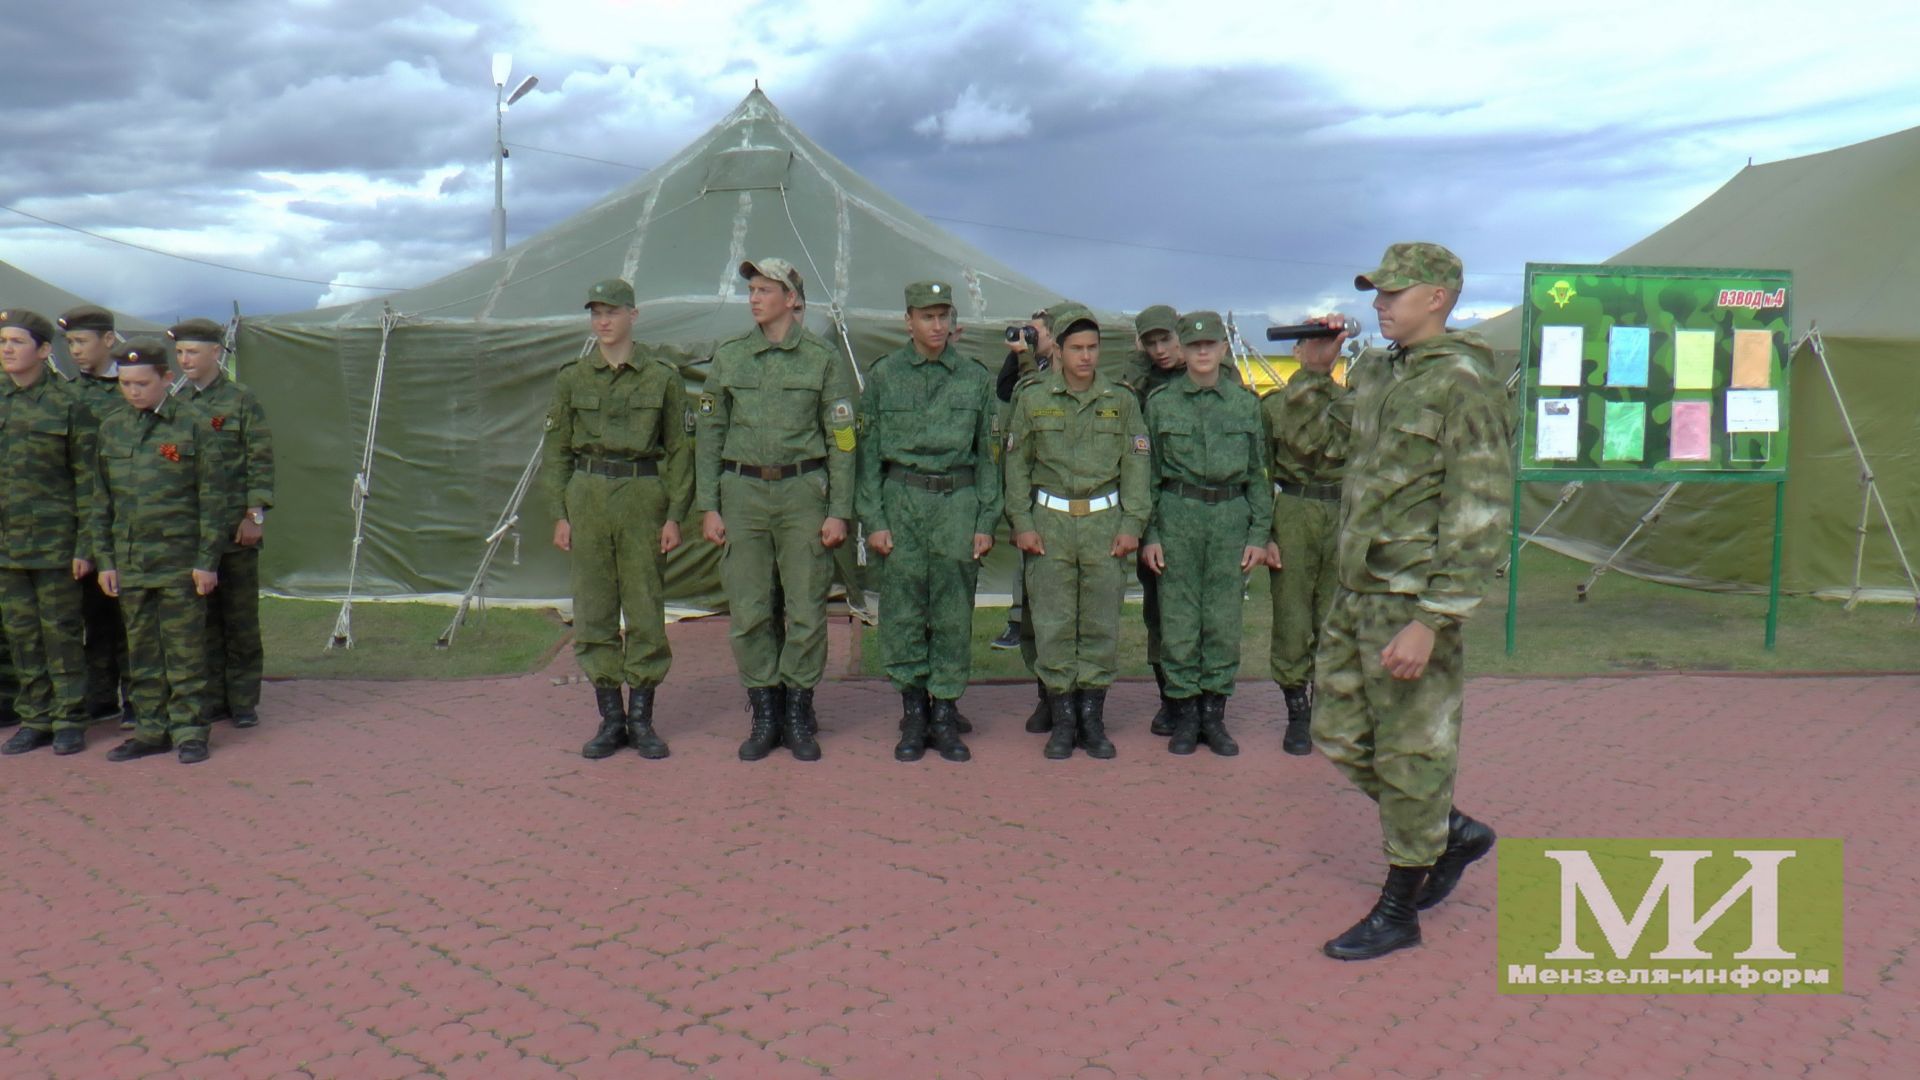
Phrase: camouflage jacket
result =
(47, 441)
(1429, 485)
(639, 410)
(101, 393)
(1210, 436)
(1078, 445)
(236, 434)
(777, 403)
(155, 510)
(1307, 438)
(929, 416)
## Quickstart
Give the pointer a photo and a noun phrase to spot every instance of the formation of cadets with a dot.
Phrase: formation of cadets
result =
(1378, 505)
(132, 507)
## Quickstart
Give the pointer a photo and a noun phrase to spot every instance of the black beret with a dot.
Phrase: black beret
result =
(31, 321)
(198, 330)
(150, 351)
(88, 317)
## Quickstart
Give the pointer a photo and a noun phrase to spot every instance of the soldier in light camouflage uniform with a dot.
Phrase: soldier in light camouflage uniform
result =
(1212, 510)
(47, 446)
(618, 467)
(90, 340)
(929, 499)
(1423, 520)
(238, 437)
(158, 524)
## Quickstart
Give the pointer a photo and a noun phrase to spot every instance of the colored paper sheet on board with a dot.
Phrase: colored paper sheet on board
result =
(1693, 359)
(1556, 431)
(1561, 348)
(1753, 410)
(1692, 430)
(1627, 356)
(1752, 359)
(1624, 434)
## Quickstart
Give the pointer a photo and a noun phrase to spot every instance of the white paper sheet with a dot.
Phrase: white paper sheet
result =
(1556, 433)
(1560, 354)
(1753, 410)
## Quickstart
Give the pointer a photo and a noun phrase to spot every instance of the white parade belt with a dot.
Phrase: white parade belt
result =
(1077, 507)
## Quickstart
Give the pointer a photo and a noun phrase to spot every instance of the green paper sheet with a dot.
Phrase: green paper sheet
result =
(1624, 437)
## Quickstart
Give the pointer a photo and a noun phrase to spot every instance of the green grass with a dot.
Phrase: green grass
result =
(1625, 625)
(396, 641)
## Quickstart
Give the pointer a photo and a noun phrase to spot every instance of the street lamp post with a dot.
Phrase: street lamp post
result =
(502, 67)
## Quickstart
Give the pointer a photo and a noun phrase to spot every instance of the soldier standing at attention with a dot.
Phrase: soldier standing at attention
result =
(929, 498)
(618, 466)
(238, 437)
(1021, 363)
(1423, 520)
(1212, 510)
(90, 340)
(774, 478)
(47, 441)
(158, 524)
(1157, 331)
(1078, 498)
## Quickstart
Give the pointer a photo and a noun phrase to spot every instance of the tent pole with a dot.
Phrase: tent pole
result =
(1566, 496)
(1580, 591)
(508, 522)
(1241, 349)
(1867, 479)
(363, 486)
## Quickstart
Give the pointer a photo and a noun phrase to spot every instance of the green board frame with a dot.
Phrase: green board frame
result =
(1630, 321)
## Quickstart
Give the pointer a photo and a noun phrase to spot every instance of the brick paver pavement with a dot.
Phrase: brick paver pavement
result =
(426, 879)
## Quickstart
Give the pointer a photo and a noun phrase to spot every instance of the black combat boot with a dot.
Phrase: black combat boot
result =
(1186, 726)
(801, 725)
(193, 751)
(1213, 725)
(1009, 638)
(960, 722)
(1298, 740)
(1162, 717)
(613, 724)
(1093, 724)
(69, 740)
(25, 740)
(944, 735)
(1467, 840)
(1394, 923)
(1041, 721)
(640, 734)
(1063, 723)
(134, 748)
(766, 723)
(913, 726)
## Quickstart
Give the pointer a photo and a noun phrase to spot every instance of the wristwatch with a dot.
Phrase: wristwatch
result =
(258, 517)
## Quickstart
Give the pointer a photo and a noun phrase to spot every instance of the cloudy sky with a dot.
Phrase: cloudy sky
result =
(1247, 156)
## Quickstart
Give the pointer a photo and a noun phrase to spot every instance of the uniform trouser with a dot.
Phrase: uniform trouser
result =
(167, 658)
(1398, 740)
(106, 644)
(773, 529)
(616, 567)
(42, 614)
(1304, 585)
(1029, 653)
(926, 589)
(1201, 593)
(1074, 593)
(1150, 608)
(235, 658)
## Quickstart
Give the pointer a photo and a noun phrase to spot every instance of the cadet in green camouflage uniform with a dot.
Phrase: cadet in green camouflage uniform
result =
(90, 340)
(1157, 361)
(1078, 499)
(929, 500)
(242, 444)
(1423, 520)
(774, 479)
(1212, 510)
(617, 465)
(157, 524)
(47, 444)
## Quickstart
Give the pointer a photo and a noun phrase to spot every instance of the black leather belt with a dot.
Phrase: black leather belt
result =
(1206, 493)
(774, 472)
(1323, 492)
(937, 483)
(619, 468)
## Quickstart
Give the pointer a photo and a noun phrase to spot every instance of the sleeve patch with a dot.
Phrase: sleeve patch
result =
(842, 411)
(687, 422)
(843, 438)
(549, 425)
(1141, 445)
(706, 404)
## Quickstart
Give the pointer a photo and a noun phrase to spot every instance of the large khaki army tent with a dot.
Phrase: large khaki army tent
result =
(1847, 223)
(21, 289)
(461, 369)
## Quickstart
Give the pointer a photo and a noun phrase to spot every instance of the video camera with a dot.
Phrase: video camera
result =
(1023, 332)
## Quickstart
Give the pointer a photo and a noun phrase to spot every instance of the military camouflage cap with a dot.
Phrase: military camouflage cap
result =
(929, 294)
(198, 330)
(779, 270)
(1157, 317)
(1202, 326)
(150, 351)
(1406, 265)
(32, 322)
(87, 317)
(1062, 318)
(613, 291)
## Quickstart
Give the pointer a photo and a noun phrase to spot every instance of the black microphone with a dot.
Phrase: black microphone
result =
(1347, 325)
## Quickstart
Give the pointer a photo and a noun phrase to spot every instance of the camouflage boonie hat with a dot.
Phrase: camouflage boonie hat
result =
(613, 291)
(198, 330)
(1202, 326)
(923, 294)
(32, 322)
(87, 317)
(144, 350)
(1157, 317)
(779, 270)
(1407, 265)
(1062, 318)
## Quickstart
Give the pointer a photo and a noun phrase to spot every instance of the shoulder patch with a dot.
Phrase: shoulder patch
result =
(842, 411)
(1141, 445)
(844, 439)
